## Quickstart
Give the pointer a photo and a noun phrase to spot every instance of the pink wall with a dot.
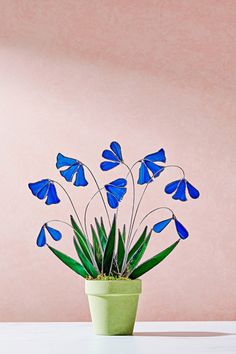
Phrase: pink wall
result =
(77, 74)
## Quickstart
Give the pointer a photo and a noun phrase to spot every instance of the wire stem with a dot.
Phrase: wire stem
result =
(99, 191)
(144, 191)
(86, 208)
(72, 204)
(150, 212)
(61, 221)
(132, 214)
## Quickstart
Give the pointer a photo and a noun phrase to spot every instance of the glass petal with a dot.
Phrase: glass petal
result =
(171, 187)
(116, 191)
(56, 235)
(107, 165)
(156, 170)
(80, 180)
(193, 192)
(52, 195)
(109, 155)
(69, 172)
(182, 232)
(116, 149)
(43, 192)
(161, 225)
(180, 194)
(156, 156)
(41, 239)
(144, 176)
(64, 161)
(119, 182)
(36, 186)
(112, 201)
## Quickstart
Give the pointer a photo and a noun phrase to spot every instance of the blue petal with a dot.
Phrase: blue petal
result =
(116, 149)
(80, 180)
(171, 187)
(52, 195)
(180, 194)
(112, 201)
(156, 156)
(56, 235)
(161, 225)
(106, 165)
(69, 172)
(119, 182)
(41, 239)
(37, 186)
(182, 232)
(109, 155)
(43, 192)
(144, 176)
(116, 191)
(64, 161)
(193, 192)
(156, 170)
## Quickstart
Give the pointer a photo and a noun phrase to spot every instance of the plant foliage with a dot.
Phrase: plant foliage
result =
(106, 250)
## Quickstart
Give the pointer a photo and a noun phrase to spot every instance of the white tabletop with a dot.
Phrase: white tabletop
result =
(149, 337)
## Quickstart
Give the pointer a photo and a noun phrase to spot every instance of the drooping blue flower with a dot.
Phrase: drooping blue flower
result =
(75, 168)
(181, 230)
(114, 157)
(115, 192)
(148, 164)
(41, 239)
(179, 187)
(45, 188)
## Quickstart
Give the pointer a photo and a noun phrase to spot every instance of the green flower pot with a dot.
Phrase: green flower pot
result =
(113, 305)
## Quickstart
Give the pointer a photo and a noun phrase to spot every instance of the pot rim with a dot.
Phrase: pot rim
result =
(112, 287)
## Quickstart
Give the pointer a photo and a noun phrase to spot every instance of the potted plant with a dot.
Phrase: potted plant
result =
(109, 256)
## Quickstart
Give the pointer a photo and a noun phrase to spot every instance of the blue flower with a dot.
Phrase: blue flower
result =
(41, 239)
(179, 187)
(147, 164)
(181, 230)
(115, 192)
(114, 156)
(45, 188)
(76, 169)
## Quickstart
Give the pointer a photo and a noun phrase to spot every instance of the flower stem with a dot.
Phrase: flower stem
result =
(144, 191)
(86, 209)
(72, 204)
(149, 213)
(132, 214)
(99, 191)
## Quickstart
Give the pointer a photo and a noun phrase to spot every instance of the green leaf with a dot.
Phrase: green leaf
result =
(109, 249)
(97, 248)
(152, 262)
(138, 254)
(121, 250)
(82, 240)
(137, 244)
(101, 233)
(103, 227)
(70, 262)
(86, 263)
(123, 234)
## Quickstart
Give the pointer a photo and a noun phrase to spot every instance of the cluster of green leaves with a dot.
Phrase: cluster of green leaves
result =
(106, 255)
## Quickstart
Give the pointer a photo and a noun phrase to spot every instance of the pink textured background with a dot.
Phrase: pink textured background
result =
(74, 75)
